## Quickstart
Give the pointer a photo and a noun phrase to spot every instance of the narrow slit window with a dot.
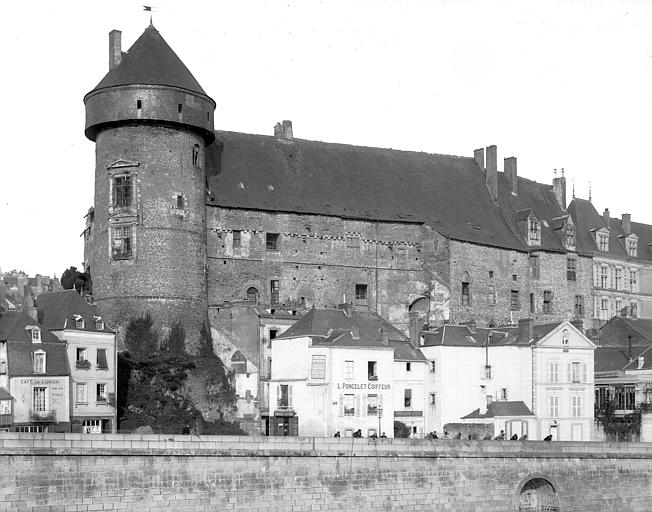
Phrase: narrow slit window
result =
(139, 104)
(180, 108)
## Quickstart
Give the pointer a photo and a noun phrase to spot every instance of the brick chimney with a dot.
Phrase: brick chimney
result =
(605, 216)
(510, 173)
(525, 330)
(627, 223)
(115, 48)
(491, 172)
(478, 156)
(559, 189)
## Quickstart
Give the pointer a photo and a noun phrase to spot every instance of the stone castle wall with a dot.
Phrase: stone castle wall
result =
(76, 472)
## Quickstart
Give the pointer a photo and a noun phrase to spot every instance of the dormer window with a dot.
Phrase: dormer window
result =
(36, 335)
(79, 322)
(632, 247)
(570, 235)
(603, 241)
(39, 362)
(564, 340)
(534, 231)
(99, 325)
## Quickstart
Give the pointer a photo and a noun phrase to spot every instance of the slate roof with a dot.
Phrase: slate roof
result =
(57, 311)
(587, 218)
(12, 328)
(615, 359)
(616, 331)
(151, 61)
(405, 351)
(447, 192)
(463, 336)
(333, 327)
(356, 182)
(20, 359)
(501, 408)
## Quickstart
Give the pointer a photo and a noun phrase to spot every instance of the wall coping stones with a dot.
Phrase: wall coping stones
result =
(14, 443)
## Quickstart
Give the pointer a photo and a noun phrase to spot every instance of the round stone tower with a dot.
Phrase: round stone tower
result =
(146, 241)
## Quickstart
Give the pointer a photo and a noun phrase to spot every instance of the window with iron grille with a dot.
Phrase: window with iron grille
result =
(39, 399)
(275, 291)
(571, 269)
(466, 289)
(272, 241)
(360, 292)
(547, 302)
(534, 266)
(514, 301)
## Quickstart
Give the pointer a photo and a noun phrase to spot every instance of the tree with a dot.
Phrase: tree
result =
(401, 429)
(141, 338)
(73, 278)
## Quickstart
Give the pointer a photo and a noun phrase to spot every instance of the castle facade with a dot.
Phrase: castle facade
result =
(187, 218)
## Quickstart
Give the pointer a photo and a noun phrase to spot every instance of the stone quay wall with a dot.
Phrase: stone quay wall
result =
(76, 472)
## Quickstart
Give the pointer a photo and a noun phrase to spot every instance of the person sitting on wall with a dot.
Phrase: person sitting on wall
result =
(446, 434)
(524, 437)
(514, 437)
(337, 434)
(501, 436)
(383, 436)
(458, 435)
(373, 436)
(487, 437)
(357, 433)
(548, 438)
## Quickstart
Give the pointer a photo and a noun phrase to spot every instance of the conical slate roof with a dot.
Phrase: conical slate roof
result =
(151, 61)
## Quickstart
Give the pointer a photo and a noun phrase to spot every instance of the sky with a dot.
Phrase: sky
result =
(558, 84)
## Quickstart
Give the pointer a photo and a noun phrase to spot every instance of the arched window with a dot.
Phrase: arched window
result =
(466, 289)
(538, 495)
(252, 294)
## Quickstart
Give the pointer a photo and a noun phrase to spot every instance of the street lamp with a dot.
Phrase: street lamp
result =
(380, 415)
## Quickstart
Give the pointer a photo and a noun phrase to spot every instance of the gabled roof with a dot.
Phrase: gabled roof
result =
(447, 192)
(588, 220)
(616, 359)
(58, 310)
(20, 358)
(13, 328)
(333, 327)
(501, 408)
(616, 332)
(151, 61)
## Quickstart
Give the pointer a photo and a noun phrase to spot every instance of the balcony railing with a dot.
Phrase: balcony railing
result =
(48, 416)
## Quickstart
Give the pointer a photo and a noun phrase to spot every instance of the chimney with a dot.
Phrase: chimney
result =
(414, 329)
(347, 307)
(578, 324)
(510, 173)
(115, 48)
(287, 130)
(491, 173)
(627, 223)
(278, 131)
(483, 400)
(559, 189)
(478, 156)
(605, 216)
(525, 332)
(30, 308)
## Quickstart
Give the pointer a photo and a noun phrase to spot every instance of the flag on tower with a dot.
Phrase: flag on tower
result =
(147, 8)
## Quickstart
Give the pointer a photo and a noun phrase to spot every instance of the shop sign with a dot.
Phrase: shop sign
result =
(366, 386)
(404, 414)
